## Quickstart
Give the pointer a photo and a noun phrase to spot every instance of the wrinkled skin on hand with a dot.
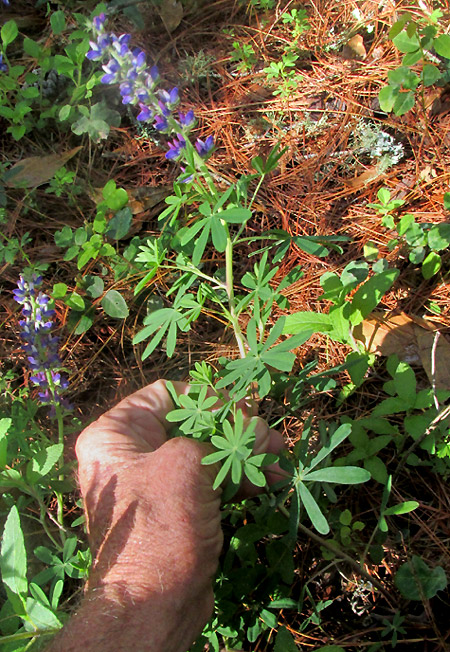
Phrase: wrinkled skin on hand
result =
(153, 521)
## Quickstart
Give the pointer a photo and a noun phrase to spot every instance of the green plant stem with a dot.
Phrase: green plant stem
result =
(59, 498)
(339, 553)
(230, 292)
(263, 176)
(41, 519)
(242, 227)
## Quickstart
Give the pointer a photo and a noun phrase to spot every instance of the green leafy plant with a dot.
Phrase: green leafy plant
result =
(417, 39)
(56, 87)
(297, 19)
(393, 628)
(424, 242)
(282, 73)
(244, 55)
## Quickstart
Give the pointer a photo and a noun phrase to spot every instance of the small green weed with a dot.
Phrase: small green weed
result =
(423, 242)
(419, 40)
(244, 55)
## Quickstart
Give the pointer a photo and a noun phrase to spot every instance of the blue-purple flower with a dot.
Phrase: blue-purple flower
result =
(3, 66)
(204, 147)
(137, 84)
(6, 2)
(175, 147)
(41, 346)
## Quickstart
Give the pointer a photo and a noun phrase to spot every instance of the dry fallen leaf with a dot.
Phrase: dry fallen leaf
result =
(34, 171)
(171, 13)
(387, 335)
(412, 339)
(356, 43)
(364, 179)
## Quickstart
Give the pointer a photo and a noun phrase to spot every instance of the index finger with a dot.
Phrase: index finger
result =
(135, 425)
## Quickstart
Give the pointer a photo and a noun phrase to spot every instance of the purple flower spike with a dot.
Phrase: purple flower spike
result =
(127, 67)
(3, 66)
(204, 147)
(39, 343)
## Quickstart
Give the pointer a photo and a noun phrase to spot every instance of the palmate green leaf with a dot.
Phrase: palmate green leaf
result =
(168, 320)
(312, 509)
(339, 475)
(156, 321)
(195, 414)
(13, 556)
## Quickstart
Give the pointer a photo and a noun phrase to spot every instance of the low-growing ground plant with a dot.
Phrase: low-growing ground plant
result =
(421, 41)
(203, 261)
(423, 242)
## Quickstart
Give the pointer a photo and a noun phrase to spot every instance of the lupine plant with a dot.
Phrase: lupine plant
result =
(211, 267)
(41, 345)
(138, 86)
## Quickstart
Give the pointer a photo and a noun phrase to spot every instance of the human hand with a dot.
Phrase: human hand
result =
(153, 521)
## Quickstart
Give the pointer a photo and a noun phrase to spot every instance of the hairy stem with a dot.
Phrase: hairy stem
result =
(230, 292)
